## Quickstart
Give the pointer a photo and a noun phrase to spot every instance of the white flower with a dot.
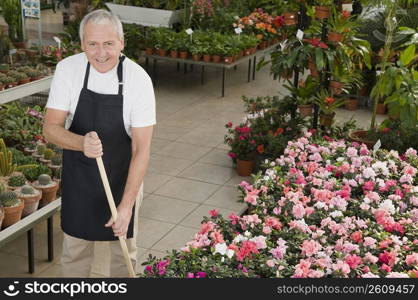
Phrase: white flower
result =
(381, 166)
(370, 275)
(336, 214)
(388, 206)
(368, 173)
(247, 233)
(221, 248)
(239, 238)
(230, 253)
(222, 259)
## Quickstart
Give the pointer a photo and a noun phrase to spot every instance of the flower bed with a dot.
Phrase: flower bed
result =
(324, 209)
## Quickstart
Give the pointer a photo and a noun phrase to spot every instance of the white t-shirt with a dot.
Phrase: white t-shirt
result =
(138, 92)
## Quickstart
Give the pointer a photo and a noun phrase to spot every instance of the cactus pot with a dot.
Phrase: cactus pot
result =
(12, 214)
(49, 192)
(31, 202)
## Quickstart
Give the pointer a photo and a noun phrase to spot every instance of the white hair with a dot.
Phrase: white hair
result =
(101, 16)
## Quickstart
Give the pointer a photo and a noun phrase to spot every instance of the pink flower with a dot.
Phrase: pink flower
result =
(357, 237)
(234, 218)
(310, 247)
(298, 211)
(341, 266)
(386, 268)
(388, 258)
(369, 242)
(232, 155)
(190, 275)
(200, 275)
(270, 263)
(353, 261)
(368, 186)
(213, 213)
(412, 259)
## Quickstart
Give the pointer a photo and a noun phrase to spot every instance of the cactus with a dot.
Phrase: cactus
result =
(9, 198)
(6, 160)
(56, 160)
(17, 180)
(44, 179)
(40, 149)
(2, 187)
(27, 190)
(48, 154)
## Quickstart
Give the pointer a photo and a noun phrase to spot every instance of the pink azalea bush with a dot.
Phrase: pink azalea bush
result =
(323, 209)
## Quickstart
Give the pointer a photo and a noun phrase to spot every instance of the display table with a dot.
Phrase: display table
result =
(24, 90)
(26, 225)
(252, 61)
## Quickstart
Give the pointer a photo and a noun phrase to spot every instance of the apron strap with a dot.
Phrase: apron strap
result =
(120, 74)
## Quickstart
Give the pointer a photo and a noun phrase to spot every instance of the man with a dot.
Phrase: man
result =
(100, 104)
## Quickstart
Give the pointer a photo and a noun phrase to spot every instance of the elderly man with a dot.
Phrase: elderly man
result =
(100, 104)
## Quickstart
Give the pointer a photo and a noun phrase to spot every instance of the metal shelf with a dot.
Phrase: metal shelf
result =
(24, 90)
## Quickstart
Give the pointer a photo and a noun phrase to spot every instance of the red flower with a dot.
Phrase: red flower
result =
(357, 236)
(260, 149)
(346, 14)
(316, 42)
(213, 213)
(229, 124)
(279, 130)
(232, 155)
(388, 258)
(278, 21)
(329, 100)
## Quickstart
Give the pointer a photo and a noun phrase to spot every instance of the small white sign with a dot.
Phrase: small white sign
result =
(283, 45)
(238, 30)
(12, 51)
(348, 7)
(58, 41)
(300, 34)
(189, 31)
(377, 145)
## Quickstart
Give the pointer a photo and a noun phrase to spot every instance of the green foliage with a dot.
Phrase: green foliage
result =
(48, 154)
(27, 190)
(303, 93)
(32, 172)
(15, 181)
(6, 160)
(44, 179)
(12, 15)
(40, 149)
(9, 199)
(326, 103)
(56, 160)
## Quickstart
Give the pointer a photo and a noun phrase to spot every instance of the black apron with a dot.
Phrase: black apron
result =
(85, 209)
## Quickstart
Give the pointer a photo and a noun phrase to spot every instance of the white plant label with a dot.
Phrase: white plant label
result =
(300, 34)
(12, 51)
(238, 30)
(58, 41)
(348, 7)
(189, 31)
(377, 145)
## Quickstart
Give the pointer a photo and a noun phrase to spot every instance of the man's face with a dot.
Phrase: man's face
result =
(102, 46)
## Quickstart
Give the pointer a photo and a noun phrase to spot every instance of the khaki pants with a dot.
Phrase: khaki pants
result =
(77, 254)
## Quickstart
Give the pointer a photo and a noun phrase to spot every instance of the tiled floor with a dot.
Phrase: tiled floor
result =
(189, 172)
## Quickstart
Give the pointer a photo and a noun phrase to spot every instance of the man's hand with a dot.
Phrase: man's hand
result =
(92, 146)
(120, 227)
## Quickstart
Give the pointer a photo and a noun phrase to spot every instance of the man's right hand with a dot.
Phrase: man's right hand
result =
(92, 146)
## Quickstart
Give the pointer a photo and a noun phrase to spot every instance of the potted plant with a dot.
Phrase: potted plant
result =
(4, 68)
(7, 166)
(12, 206)
(16, 181)
(30, 148)
(33, 74)
(327, 105)
(339, 23)
(55, 163)
(8, 82)
(48, 154)
(161, 37)
(303, 94)
(30, 197)
(290, 14)
(21, 78)
(48, 187)
(40, 150)
(196, 50)
(243, 147)
(323, 8)
(344, 79)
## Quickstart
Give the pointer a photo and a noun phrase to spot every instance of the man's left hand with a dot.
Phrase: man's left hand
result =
(120, 227)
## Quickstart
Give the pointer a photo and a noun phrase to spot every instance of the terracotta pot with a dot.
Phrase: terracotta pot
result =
(228, 59)
(216, 58)
(253, 50)
(360, 136)
(161, 52)
(1, 215)
(305, 110)
(326, 120)
(206, 58)
(351, 104)
(364, 91)
(381, 109)
(149, 51)
(287, 74)
(290, 18)
(312, 68)
(247, 52)
(336, 87)
(184, 54)
(322, 12)
(196, 57)
(335, 37)
(245, 167)
(1, 86)
(35, 78)
(19, 45)
(49, 194)
(31, 203)
(23, 81)
(174, 53)
(262, 45)
(234, 58)
(31, 53)
(12, 214)
(240, 54)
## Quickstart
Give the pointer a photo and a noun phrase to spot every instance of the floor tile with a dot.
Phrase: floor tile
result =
(196, 217)
(208, 173)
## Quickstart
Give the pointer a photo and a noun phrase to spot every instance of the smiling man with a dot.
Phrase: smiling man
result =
(100, 104)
